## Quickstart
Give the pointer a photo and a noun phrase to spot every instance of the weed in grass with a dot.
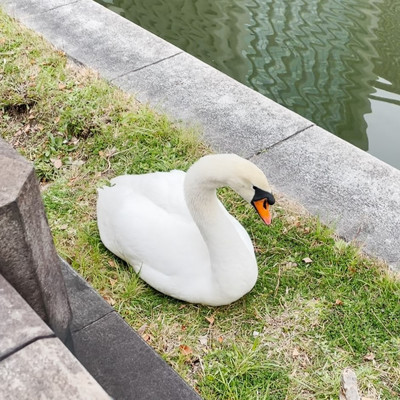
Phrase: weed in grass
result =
(289, 338)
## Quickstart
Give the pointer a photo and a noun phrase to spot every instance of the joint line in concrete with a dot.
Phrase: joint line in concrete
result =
(281, 141)
(62, 5)
(96, 320)
(22, 346)
(146, 66)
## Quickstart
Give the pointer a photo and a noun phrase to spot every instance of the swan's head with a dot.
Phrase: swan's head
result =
(241, 175)
(251, 184)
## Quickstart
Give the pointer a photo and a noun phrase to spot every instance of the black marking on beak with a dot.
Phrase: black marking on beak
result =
(262, 194)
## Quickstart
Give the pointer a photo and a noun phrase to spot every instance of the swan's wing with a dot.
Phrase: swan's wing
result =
(164, 189)
(145, 221)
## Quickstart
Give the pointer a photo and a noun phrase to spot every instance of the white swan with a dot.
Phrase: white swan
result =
(178, 236)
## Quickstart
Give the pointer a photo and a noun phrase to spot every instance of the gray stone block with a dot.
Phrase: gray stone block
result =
(349, 189)
(28, 259)
(86, 304)
(31, 7)
(19, 324)
(232, 117)
(45, 369)
(125, 365)
(96, 36)
(113, 353)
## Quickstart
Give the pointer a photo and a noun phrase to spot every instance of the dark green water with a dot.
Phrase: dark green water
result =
(335, 62)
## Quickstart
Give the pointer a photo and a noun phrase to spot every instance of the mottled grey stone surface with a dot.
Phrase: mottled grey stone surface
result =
(86, 304)
(32, 7)
(28, 259)
(125, 365)
(353, 191)
(19, 324)
(232, 117)
(45, 369)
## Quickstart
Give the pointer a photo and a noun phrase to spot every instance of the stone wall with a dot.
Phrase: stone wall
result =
(28, 259)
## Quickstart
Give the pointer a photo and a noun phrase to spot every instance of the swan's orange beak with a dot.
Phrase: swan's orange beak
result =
(262, 207)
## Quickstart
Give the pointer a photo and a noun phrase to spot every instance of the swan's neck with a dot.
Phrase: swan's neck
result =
(232, 262)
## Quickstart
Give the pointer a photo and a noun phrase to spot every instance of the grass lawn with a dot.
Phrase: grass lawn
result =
(318, 306)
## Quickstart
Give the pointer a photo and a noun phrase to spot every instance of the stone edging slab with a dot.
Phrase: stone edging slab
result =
(34, 363)
(341, 184)
(113, 353)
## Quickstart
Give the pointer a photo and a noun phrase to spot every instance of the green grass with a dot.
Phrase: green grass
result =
(289, 338)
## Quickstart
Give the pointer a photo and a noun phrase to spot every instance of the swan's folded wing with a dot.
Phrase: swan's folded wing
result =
(148, 225)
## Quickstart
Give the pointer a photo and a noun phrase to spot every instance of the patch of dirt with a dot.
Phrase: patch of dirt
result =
(18, 110)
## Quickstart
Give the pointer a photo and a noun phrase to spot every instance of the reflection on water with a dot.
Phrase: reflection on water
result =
(336, 62)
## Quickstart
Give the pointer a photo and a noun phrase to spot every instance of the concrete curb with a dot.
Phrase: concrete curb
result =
(113, 353)
(34, 363)
(331, 178)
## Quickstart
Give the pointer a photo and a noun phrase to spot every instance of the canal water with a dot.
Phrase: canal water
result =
(335, 62)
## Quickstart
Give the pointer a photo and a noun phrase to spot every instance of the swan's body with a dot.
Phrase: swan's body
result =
(177, 235)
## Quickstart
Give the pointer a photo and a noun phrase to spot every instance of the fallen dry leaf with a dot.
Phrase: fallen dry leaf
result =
(112, 281)
(57, 163)
(62, 86)
(338, 302)
(307, 260)
(147, 337)
(142, 329)
(185, 350)
(211, 320)
(109, 300)
(369, 357)
(295, 352)
(110, 152)
(220, 339)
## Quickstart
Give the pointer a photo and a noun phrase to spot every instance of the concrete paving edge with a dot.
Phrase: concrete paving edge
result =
(113, 353)
(344, 186)
(34, 363)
